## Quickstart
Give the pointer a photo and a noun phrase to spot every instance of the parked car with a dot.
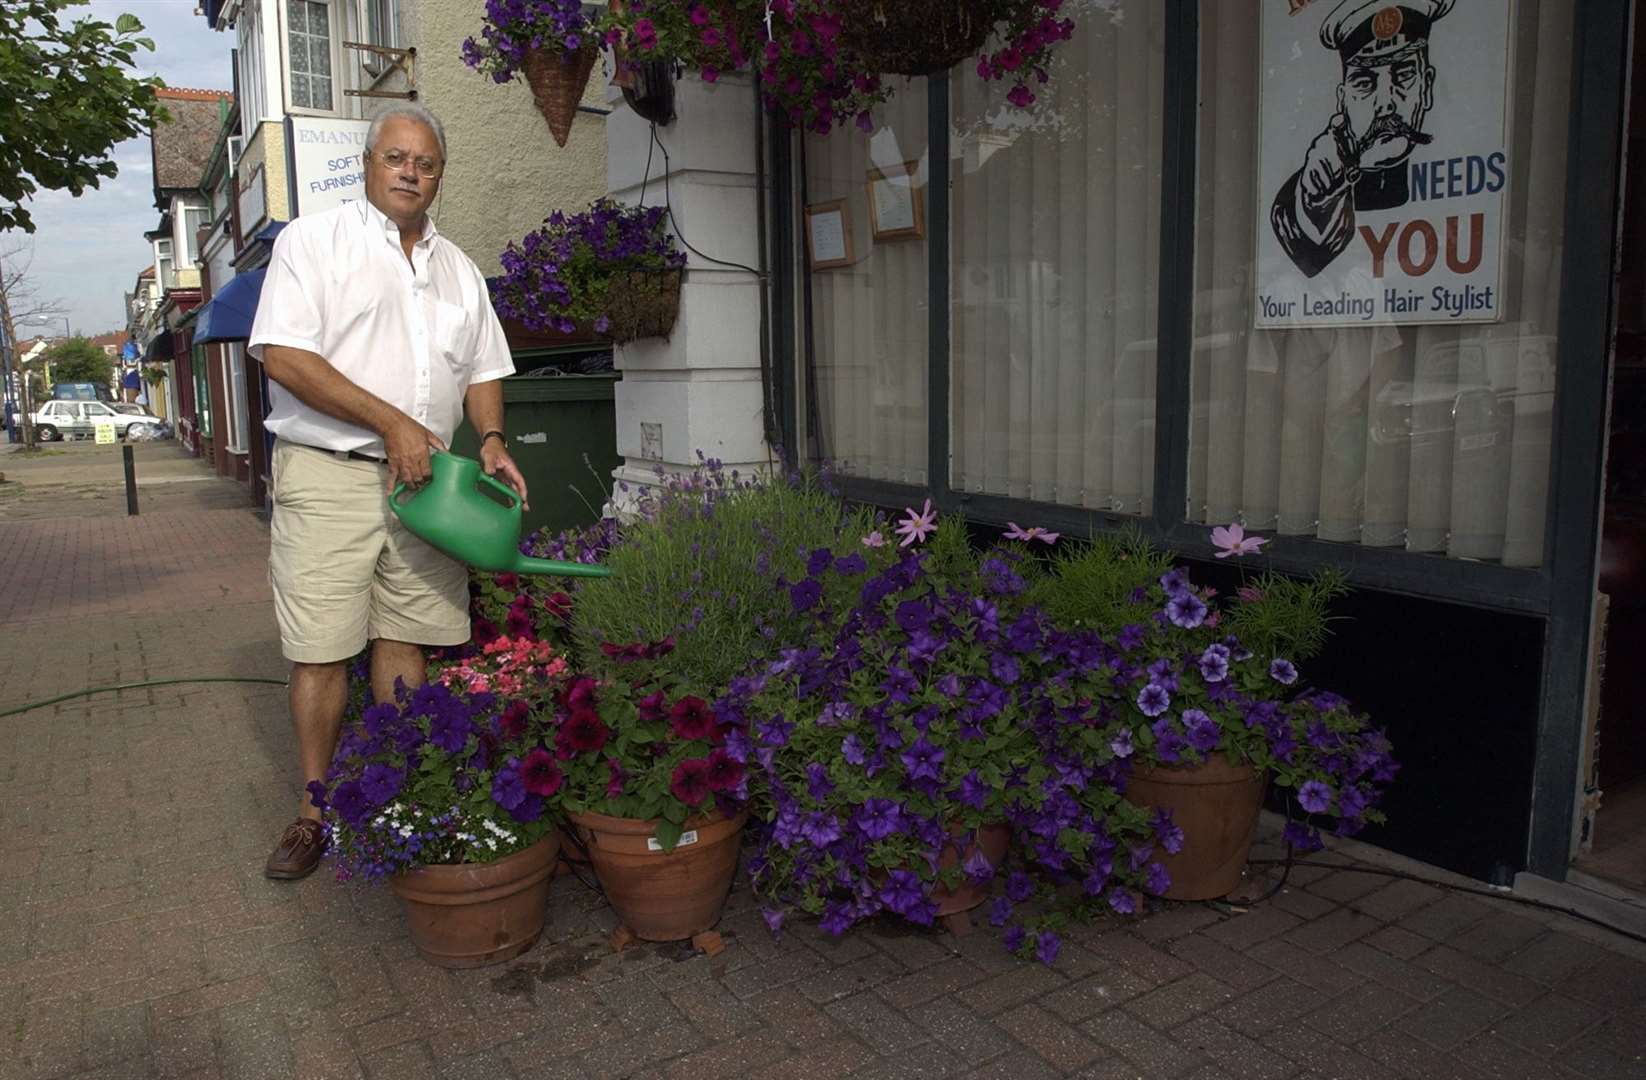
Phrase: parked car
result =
(79, 419)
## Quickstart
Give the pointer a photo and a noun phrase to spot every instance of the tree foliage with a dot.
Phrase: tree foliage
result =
(78, 360)
(67, 101)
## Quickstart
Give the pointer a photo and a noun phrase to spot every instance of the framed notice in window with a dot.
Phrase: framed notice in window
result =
(829, 234)
(895, 207)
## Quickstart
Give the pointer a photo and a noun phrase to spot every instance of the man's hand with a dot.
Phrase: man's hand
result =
(407, 444)
(1329, 168)
(497, 462)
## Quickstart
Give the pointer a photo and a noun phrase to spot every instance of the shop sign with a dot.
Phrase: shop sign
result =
(325, 159)
(1384, 162)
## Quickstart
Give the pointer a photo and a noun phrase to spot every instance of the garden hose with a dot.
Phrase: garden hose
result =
(137, 686)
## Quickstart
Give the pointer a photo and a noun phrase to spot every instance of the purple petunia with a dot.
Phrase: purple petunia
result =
(1046, 945)
(978, 869)
(1122, 901)
(1214, 663)
(1013, 938)
(509, 787)
(851, 748)
(1283, 672)
(973, 791)
(1202, 730)
(820, 829)
(1186, 610)
(1019, 886)
(1121, 744)
(1156, 880)
(774, 920)
(903, 892)
(923, 760)
(817, 781)
(1314, 796)
(450, 730)
(877, 818)
(999, 911)
(1302, 837)
(805, 594)
(380, 782)
(1153, 700)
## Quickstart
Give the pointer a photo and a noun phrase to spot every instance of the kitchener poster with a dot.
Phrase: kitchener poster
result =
(1384, 162)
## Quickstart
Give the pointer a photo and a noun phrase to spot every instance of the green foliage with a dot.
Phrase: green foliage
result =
(67, 101)
(1092, 584)
(707, 564)
(78, 360)
(1282, 616)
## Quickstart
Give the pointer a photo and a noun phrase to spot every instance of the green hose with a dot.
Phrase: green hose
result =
(135, 686)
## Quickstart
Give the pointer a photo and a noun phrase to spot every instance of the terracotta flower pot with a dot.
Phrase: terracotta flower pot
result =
(1216, 804)
(474, 914)
(659, 895)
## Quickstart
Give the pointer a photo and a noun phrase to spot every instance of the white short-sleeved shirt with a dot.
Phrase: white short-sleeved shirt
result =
(415, 334)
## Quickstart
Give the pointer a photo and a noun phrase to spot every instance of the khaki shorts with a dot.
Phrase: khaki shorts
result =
(346, 571)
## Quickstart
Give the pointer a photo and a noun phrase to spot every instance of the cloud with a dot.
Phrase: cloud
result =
(88, 250)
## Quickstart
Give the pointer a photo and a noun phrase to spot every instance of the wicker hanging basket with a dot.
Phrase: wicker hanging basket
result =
(558, 81)
(917, 37)
(642, 304)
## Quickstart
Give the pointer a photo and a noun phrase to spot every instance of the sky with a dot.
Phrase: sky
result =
(87, 251)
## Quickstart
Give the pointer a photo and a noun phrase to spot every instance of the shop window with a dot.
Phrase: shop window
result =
(1055, 253)
(1398, 405)
(870, 308)
(309, 54)
(202, 393)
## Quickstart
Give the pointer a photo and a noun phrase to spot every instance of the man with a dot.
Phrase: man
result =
(1359, 161)
(377, 334)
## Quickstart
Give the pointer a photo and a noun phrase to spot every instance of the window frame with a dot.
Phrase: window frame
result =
(334, 34)
(1560, 591)
(379, 22)
(190, 238)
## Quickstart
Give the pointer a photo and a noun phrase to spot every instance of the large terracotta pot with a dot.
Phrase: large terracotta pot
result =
(1216, 804)
(663, 895)
(474, 914)
(992, 840)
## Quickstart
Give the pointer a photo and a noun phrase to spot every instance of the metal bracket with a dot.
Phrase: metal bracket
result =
(401, 59)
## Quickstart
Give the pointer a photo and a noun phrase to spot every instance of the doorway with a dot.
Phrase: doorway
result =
(1616, 841)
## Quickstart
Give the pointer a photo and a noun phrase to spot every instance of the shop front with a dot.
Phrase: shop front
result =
(1341, 272)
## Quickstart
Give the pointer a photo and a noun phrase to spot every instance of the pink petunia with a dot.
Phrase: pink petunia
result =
(1232, 540)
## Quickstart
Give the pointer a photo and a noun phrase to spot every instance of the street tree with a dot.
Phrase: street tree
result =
(77, 360)
(19, 304)
(67, 101)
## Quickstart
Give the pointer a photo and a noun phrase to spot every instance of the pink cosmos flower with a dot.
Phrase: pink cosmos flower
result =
(916, 527)
(874, 540)
(1232, 539)
(1033, 532)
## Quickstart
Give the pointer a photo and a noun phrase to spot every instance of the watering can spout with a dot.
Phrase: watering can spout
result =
(454, 515)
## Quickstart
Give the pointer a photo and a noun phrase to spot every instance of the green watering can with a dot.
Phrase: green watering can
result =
(453, 515)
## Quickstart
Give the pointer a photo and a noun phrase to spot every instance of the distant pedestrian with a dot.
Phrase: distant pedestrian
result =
(11, 421)
(377, 335)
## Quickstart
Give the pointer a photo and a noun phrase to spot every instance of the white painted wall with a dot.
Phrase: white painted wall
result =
(699, 390)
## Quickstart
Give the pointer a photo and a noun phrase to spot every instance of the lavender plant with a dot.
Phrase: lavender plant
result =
(717, 563)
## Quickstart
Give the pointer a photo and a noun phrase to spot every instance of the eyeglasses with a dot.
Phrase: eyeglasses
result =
(395, 160)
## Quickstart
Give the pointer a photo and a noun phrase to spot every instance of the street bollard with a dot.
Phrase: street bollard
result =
(131, 481)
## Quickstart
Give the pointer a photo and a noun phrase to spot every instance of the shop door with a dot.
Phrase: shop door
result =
(1615, 828)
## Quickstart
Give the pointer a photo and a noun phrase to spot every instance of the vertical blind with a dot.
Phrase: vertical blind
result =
(1056, 248)
(869, 324)
(1429, 438)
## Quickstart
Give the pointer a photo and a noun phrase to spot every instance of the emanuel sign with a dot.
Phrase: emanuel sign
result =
(1383, 163)
(325, 162)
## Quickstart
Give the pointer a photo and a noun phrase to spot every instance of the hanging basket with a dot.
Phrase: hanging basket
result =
(558, 81)
(917, 37)
(642, 304)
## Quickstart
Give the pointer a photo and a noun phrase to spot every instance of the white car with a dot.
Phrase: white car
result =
(79, 419)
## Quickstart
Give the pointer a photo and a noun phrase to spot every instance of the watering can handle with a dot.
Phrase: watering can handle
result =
(512, 495)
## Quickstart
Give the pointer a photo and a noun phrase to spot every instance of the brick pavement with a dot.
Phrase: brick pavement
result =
(138, 937)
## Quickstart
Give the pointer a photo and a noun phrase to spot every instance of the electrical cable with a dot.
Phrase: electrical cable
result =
(668, 205)
(136, 686)
(1490, 894)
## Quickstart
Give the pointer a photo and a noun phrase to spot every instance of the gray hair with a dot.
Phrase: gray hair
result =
(408, 111)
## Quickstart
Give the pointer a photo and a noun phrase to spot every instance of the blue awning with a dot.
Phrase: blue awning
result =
(227, 316)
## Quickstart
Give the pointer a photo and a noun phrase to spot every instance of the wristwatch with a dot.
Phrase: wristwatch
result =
(495, 434)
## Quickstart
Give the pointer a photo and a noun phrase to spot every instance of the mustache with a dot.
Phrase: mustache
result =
(1392, 125)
